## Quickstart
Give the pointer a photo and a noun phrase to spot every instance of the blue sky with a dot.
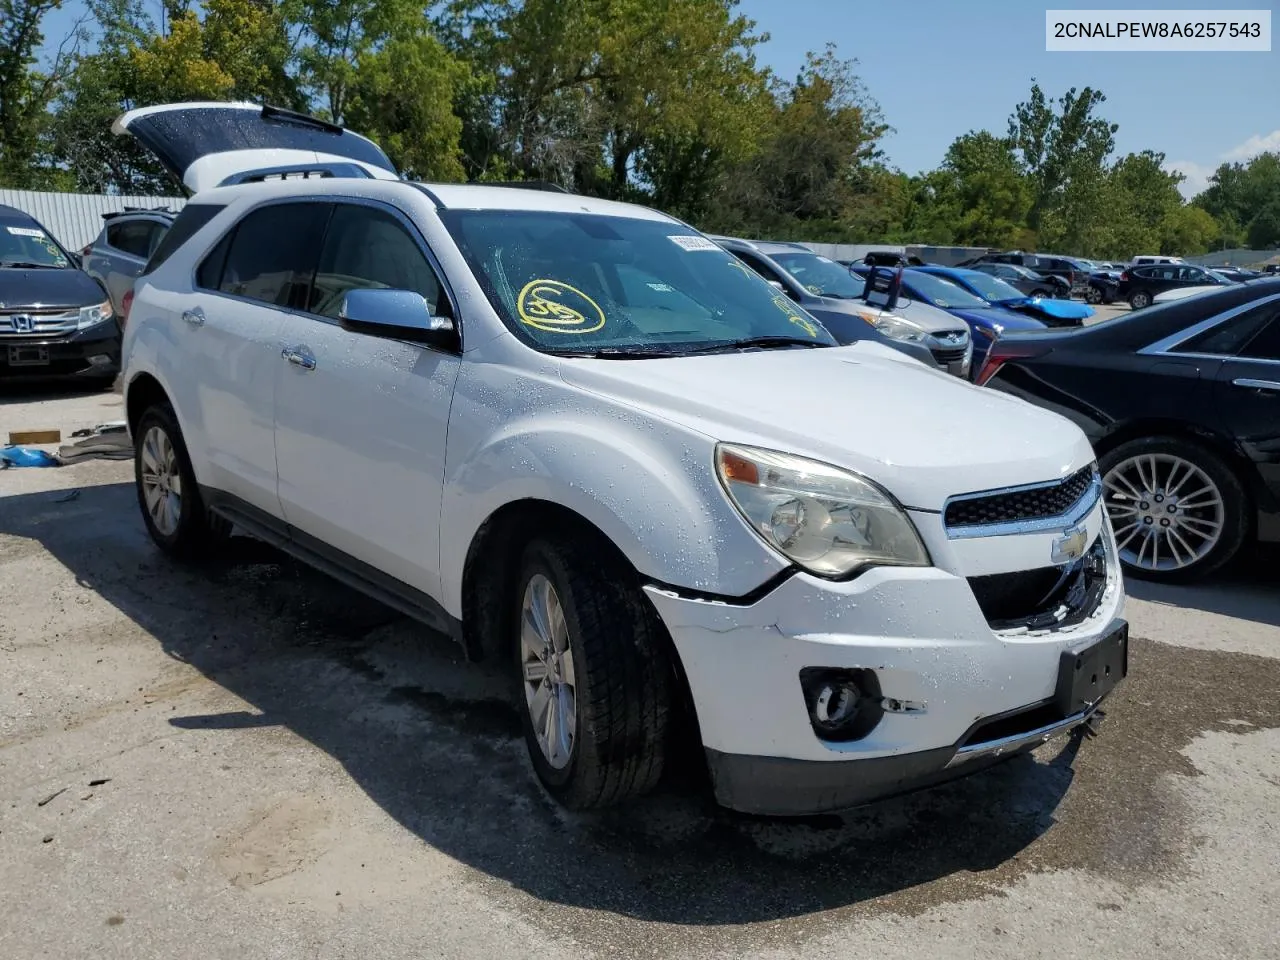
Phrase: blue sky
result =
(940, 68)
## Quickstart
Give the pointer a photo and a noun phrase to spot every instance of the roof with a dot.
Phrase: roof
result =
(479, 196)
(13, 213)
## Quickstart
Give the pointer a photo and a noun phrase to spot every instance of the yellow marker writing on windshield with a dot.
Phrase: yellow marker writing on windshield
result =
(558, 308)
(804, 323)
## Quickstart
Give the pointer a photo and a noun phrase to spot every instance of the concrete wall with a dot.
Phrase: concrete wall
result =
(945, 256)
(75, 219)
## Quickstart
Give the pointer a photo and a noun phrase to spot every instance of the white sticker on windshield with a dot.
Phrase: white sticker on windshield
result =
(694, 243)
(26, 232)
(661, 287)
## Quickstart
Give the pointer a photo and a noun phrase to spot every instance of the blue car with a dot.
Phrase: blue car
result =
(1052, 311)
(986, 322)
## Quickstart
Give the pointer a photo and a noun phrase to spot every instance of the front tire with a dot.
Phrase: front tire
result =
(1093, 295)
(1042, 294)
(1139, 299)
(595, 675)
(1178, 509)
(172, 509)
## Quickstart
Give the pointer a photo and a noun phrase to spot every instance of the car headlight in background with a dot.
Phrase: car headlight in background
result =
(829, 521)
(895, 327)
(92, 316)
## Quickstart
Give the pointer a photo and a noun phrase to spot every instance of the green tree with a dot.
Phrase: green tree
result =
(984, 185)
(1264, 228)
(1187, 231)
(1064, 152)
(26, 91)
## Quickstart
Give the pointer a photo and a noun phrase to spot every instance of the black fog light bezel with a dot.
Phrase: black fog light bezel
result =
(868, 710)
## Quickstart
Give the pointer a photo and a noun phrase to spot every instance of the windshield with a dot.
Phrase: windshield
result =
(993, 288)
(1217, 276)
(820, 276)
(24, 244)
(584, 283)
(941, 293)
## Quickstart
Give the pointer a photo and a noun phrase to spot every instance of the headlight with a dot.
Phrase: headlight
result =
(91, 316)
(827, 520)
(894, 327)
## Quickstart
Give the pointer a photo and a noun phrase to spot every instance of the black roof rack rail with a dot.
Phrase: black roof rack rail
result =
(309, 171)
(282, 115)
(523, 185)
(110, 214)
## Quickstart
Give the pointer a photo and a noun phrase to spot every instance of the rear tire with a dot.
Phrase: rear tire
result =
(1139, 299)
(592, 660)
(168, 495)
(1152, 480)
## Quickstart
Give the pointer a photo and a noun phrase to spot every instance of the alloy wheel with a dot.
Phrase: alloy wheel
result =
(1166, 511)
(161, 481)
(546, 663)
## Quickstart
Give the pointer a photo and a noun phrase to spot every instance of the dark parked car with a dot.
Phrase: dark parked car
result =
(123, 246)
(1104, 287)
(1028, 281)
(1182, 405)
(55, 321)
(1139, 285)
(1237, 274)
(986, 321)
(1075, 274)
(829, 292)
(1051, 311)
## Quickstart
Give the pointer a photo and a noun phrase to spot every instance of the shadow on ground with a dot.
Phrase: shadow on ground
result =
(1249, 589)
(436, 745)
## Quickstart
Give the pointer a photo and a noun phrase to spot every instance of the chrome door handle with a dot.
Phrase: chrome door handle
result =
(1250, 384)
(300, 357)
(194, 316)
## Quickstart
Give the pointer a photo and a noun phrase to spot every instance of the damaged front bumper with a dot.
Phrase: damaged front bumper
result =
(954, 694)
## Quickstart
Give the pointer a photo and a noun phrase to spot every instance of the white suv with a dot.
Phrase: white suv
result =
(583, 439)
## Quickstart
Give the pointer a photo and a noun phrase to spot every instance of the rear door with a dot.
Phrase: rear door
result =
(207, 144)
(129, 244)
(232, 327)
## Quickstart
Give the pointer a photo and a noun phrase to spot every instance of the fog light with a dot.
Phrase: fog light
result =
(843, 704)
(100, 360)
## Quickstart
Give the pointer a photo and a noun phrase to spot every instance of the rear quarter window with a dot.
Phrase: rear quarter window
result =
(188, 223)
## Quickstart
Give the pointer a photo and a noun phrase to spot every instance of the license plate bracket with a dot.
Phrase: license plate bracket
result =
(33, 355)
(1088, 674)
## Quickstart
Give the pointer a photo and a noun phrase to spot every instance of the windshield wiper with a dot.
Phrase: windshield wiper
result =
(616, 353)
(758, 342)
(29, 265)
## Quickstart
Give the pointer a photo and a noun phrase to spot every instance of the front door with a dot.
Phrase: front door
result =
(1248, 392)
(361, 420)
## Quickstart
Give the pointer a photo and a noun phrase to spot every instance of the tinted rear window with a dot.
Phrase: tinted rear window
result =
(190, 220)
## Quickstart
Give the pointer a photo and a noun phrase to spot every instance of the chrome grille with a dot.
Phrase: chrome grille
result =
(37, 323)
(1019, 505)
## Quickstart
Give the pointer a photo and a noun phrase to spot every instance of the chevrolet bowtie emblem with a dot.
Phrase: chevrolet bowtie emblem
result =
(1070, 546)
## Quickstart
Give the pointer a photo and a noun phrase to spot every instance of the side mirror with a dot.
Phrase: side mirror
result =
(396, 314)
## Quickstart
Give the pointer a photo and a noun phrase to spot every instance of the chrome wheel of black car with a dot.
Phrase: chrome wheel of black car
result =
(1167, 512)
(1140, 299)
(1093, 295)
(1178, 509)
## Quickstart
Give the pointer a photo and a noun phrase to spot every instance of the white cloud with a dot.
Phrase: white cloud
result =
(1198, 174)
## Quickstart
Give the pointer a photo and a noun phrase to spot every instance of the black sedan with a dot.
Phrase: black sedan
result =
(1139, 285)
(1182, 405)
(1032, 284)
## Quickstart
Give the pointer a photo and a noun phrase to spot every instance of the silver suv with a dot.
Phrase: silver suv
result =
(123, 246)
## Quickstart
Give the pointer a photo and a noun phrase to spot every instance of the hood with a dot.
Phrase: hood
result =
(918, 432)
(1060, 309)
(47, 289)
(204, 144)
(989, 317)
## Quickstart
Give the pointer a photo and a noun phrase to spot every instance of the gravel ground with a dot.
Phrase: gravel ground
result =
(253, 762)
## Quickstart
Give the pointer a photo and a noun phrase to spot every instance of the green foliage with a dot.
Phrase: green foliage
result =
(657, 101)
